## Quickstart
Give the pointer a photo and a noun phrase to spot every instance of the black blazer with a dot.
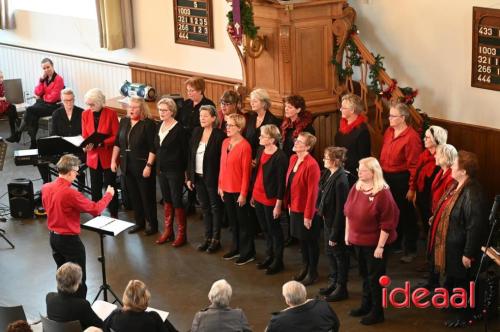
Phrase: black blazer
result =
(274, 174)
(62, 126)
(252, 133)
(189, 115)
(467, 230)
(132, 321)
(358, 145)
(171, 154)
(315, 315)
(65, 307)
(211, 159)
(332, 195)
(136, 145)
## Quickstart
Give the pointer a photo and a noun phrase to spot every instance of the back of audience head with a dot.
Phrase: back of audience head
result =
(220, 293)
(69, 278)
(19, 326)
(294, 293)
(136, 296)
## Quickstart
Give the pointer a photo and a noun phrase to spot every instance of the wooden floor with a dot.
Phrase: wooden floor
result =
(179, 279)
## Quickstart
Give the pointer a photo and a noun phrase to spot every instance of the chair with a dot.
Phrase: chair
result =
(49, 325)
(9, 315)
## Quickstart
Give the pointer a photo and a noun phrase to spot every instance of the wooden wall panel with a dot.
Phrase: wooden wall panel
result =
(325, 125)
(483, 141)
(171, 81)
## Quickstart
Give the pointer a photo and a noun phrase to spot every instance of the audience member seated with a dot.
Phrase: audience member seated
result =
(303, 314)
(66, 305)
(7, 108)
(133, 316)
(47, 94)
(218, 316)
(19, 326)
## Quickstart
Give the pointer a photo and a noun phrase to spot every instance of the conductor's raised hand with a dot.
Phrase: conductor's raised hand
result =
(110, 190)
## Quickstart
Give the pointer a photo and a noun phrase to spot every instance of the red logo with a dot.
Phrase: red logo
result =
(420, 297)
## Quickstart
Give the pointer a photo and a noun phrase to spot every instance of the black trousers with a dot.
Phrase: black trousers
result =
(69, 248)
(310, 255)
(371, 269)
(243, 231)
(171, 185)
(142, 194)
(211, 206)
(103, 177)
(407, 227)
(338, 259)
(12, 115)
(272, 231)
(34, 113)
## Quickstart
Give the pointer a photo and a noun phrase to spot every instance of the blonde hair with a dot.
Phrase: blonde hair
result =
(239, 120)
(310, 139)
(272, 131)
(263, 96)
(172, 106)
(355, 101)
(378, 177)
(136, 296)
(69, 277)
(145, 113)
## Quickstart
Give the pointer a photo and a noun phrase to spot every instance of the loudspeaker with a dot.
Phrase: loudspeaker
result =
(21, 198)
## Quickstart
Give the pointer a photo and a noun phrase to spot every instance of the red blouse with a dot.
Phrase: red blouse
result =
(400, 154)
(259, 193)
(235, 167)
(441, 183)
(426, 165)
(368, 215)
(4, 104)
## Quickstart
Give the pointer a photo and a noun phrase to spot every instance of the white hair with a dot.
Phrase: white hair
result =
(294, 293)
(220, 293)
(95, 95)
(439, 134)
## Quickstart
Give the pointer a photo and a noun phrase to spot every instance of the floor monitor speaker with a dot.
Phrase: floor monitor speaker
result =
(21, 198)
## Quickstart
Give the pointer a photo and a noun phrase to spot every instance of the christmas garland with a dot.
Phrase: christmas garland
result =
(247, 22)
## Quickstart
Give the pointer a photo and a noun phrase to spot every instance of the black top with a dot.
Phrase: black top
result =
(358, 146)
(314, 315)
(62, 126)
(97, 116)
(64, 307)
(252, 133)
(332, 195)
(211, 158)
(467, 230)
(171, 154)
(274, 174)
(288, 140)
(135, 144)
(189, 115)
(133, 321)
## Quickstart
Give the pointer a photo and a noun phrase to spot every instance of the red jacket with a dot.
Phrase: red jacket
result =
(64, 205)
(108, 124)
(401, 154)
(235, 167)
(303, 191)
(441, 183)
(50, 91)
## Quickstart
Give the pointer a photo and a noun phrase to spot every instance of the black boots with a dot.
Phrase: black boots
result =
(302, 274)
(204, 246)
(265, 263)
(340, 293)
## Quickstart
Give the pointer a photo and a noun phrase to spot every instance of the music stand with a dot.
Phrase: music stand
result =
(106, 226)
(2, 234)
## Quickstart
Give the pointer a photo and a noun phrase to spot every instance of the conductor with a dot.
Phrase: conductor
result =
(64, 205)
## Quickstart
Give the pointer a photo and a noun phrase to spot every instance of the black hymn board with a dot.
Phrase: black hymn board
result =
(486, 48)
(193, 23)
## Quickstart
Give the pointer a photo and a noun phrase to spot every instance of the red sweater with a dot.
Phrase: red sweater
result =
(64, 205)
(50, 92)
(259, 191)
(400, 154)
(368, 215)
(304, 187)
(235, 167)
(441, 183)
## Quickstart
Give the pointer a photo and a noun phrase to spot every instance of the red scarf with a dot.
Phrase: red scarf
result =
(303, 120)
(346, 128)
(426, 165)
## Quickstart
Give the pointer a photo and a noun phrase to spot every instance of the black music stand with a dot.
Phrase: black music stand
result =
(2, 235)
(106, 226)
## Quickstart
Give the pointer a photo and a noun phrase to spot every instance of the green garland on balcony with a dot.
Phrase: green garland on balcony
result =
(249, 28)
(375, 84)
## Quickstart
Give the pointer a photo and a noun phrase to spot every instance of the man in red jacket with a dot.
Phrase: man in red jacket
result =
(48, 95)
(64, 205)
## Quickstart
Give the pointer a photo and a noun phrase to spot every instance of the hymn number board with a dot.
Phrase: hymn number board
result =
(193, 23)
(486, 48)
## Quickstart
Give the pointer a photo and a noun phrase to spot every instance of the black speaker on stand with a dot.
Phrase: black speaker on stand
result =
(21, 198)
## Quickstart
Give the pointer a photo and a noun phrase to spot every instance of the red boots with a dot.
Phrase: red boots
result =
(168, 231)
(180, 238)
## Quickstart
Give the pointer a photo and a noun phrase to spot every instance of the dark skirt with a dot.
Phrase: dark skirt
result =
(299, 231)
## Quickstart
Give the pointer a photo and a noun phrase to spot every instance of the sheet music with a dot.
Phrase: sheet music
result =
(104, 309)
(109, 224)
(75, 140)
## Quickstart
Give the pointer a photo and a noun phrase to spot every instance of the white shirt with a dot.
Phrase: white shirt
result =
(200, 153)
(163, 132)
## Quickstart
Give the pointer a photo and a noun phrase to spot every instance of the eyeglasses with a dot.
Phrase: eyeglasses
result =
(228, 125)
(345, 108)
(76, 169)
(264, 136)
(298, 141)
(69, 100)
(392, 116)
(163, 110)
(327, 159)
(90, 104)
(225, 103)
